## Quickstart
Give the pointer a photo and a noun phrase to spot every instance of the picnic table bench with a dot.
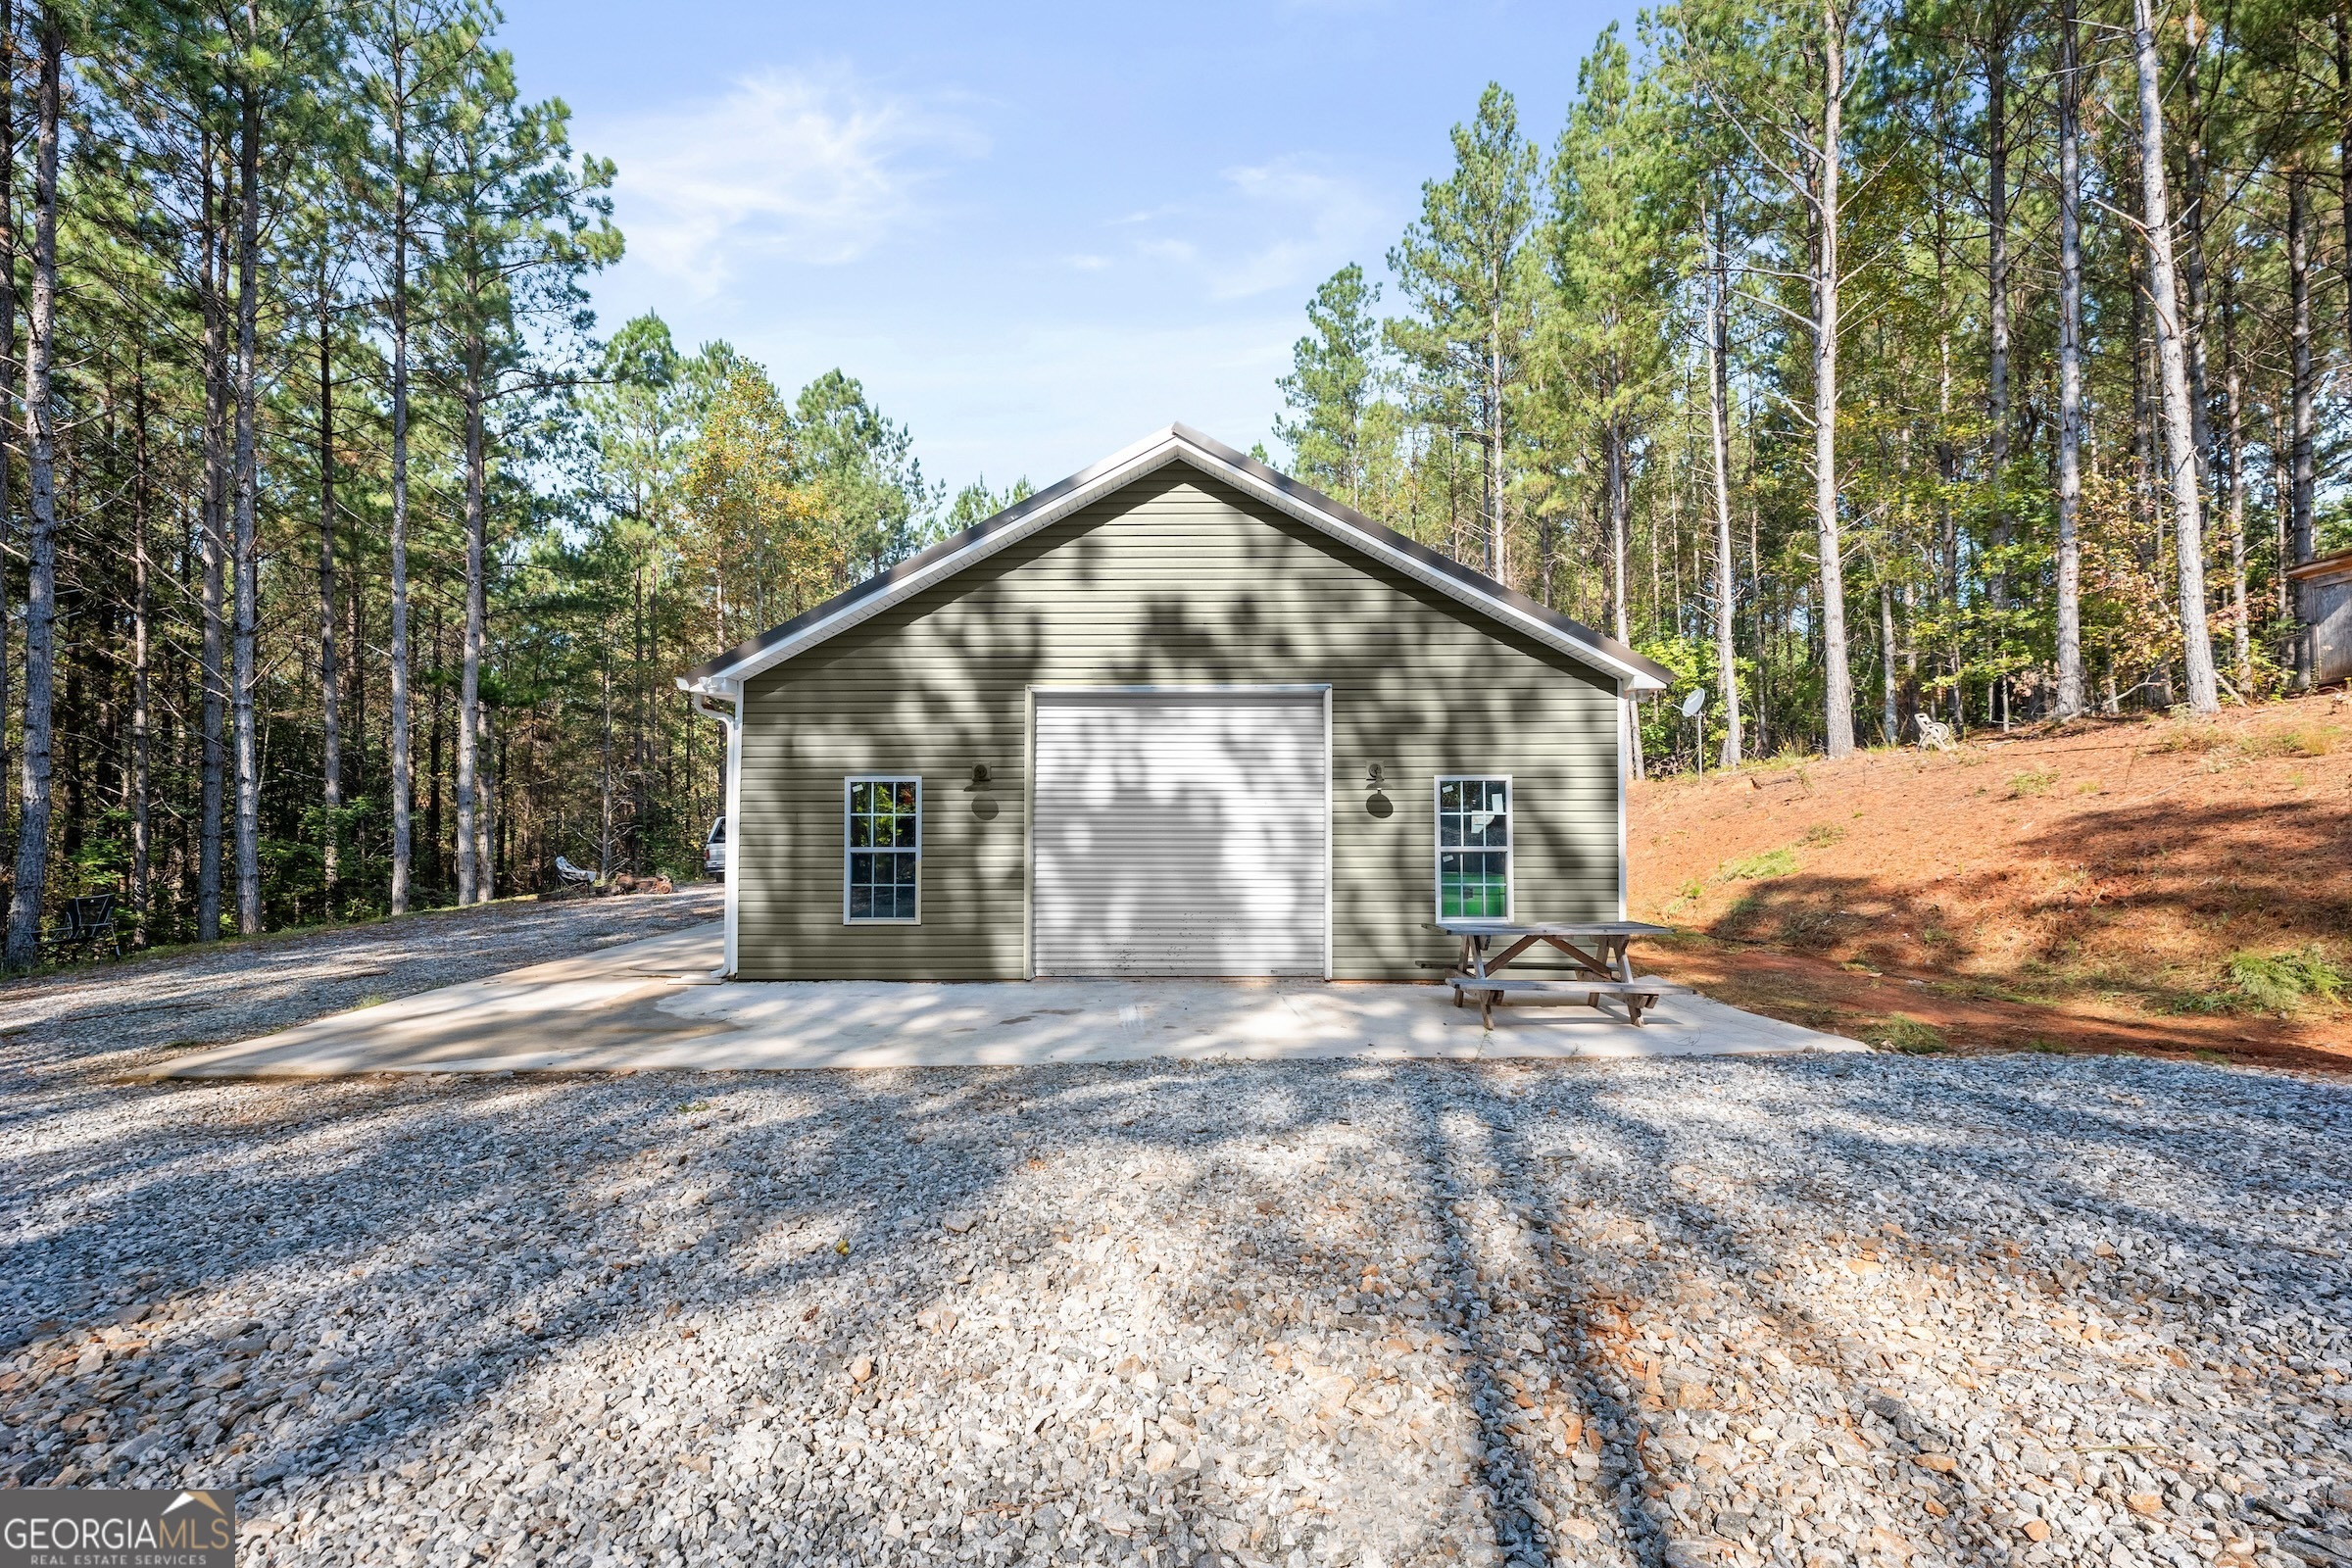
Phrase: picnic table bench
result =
(1597, 963)
(85, 922)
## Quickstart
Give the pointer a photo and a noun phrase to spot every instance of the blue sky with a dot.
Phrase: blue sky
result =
(1034, 233)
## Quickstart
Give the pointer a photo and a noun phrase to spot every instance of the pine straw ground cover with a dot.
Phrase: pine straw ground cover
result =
(2152, 884)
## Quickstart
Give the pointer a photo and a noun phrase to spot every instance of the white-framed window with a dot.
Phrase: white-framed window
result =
(1474, 848)
(881, 849)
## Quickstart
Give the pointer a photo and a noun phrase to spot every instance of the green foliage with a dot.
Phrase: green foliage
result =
(864, 483)
(975, 503)
(2281, 982)
(1464, 267)
(2030, 782)
(1331, 385)
(1554, 339)
(2303, 740)
(1823, 834)
(1760, 867)
(1906, 1034)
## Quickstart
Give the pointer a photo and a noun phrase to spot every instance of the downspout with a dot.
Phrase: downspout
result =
(733, 887)
(1625, 754)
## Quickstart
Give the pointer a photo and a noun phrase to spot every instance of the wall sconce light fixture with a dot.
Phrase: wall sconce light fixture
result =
(1372, 778)
(979, 772)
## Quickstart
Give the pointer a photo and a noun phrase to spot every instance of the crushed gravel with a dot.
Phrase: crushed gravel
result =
(122, 1015)
(2025, 1309)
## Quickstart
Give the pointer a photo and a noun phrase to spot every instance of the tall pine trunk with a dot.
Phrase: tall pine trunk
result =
(1997, 305)
(486, 819)
(604, 839)
(2341, 19)
(1727, 664)
(2241, 631)
(330, 765)
(2300, 490)
(2172, 359)
(1890, 711)
(1947, 468)
(215, 532)
(641, 720)
(2070, 368)
(1614, 440)
(1499, 559)
(142, 847)
(40, 585)
(247, 537)
(2299, 364)
(8, 350)
(2193, 246)
(1839, 693)
(1614, 487)
(470, 884)
(355, 685)
(402, 788)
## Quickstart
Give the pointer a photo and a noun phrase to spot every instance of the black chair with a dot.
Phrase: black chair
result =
(86, 922)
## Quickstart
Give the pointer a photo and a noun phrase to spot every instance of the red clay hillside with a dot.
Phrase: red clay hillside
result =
(2156, 884)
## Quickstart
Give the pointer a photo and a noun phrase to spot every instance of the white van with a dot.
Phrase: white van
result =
(714, 851)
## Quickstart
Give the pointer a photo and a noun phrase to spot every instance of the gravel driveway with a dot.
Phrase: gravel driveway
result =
(136, 1013)
(2025, 1309)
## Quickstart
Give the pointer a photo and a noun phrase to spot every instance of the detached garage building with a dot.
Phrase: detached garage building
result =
(1176, 715)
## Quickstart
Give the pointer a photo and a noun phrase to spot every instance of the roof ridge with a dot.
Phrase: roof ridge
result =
(941, 560)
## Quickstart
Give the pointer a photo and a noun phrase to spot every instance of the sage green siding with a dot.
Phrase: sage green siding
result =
(1174, 579)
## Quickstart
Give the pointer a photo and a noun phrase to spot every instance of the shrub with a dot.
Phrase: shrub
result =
(2280, 981)
(1741, 915)
(1898, 1032)
(2193, 740)
(2315, 742)
(1759, 867)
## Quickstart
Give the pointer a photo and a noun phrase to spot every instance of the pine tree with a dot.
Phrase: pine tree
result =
(1463, 266)
(1333, 380)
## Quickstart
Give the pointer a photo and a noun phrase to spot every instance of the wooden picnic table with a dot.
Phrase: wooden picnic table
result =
(1596, 953)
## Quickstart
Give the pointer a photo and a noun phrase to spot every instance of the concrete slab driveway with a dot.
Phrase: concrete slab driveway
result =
(651, 1004)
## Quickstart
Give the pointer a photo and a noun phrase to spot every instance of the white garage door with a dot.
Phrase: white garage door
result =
(1181, 833)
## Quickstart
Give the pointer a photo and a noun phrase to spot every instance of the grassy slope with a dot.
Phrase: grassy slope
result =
(2077, 890)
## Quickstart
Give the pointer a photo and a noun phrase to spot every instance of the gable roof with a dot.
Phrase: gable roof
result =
(1177, 443)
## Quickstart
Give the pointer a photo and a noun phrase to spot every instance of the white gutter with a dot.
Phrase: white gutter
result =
(733, 887)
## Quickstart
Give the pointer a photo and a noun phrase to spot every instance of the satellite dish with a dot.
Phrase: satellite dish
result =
(1695, 702)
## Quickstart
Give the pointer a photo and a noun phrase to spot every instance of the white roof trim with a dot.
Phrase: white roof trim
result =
(1156, 451)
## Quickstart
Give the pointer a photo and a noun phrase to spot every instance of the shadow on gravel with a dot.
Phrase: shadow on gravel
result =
(418, 1253)
(494, 1245)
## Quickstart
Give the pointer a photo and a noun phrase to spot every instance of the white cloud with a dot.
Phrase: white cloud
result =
(817, 168)
(1274, 225)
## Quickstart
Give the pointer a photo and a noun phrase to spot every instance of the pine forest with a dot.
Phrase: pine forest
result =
(1869, 367)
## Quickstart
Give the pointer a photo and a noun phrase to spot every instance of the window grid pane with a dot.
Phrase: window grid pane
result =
(1474, 840)
(883, 849)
